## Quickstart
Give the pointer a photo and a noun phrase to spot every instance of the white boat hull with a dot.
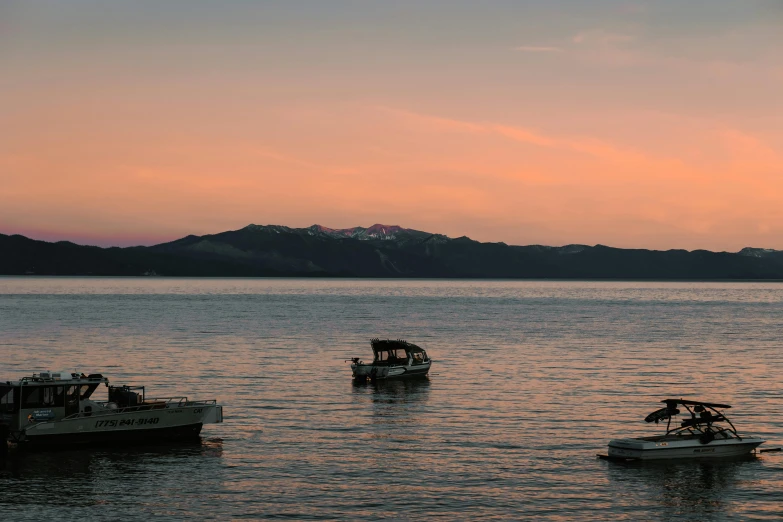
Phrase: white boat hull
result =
(641, 449)
(171, 422)
(372, 371)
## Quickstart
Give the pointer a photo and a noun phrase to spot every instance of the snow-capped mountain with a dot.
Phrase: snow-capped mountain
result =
(760, 252)
(377, 251)
(377, 231)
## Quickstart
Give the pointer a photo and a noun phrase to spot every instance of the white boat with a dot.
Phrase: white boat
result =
(706, 434)
(392, 359)
(53, 409)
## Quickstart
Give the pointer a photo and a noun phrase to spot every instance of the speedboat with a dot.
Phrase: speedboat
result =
(52, 409)
(706, 433)
(392, 359)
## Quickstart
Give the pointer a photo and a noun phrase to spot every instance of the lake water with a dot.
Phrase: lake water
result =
(530, 380)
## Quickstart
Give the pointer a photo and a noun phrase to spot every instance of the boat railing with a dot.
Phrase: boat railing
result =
(149, 404)
(181, 401)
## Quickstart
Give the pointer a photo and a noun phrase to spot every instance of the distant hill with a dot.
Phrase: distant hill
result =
(377, 251)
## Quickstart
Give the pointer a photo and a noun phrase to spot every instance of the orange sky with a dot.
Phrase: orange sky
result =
(628, 123)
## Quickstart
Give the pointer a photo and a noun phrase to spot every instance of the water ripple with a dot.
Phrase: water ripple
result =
(530, 381)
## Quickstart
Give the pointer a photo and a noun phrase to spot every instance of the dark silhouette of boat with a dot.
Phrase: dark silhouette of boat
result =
(392, 360)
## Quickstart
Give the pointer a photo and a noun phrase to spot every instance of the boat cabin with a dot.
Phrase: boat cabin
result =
(46, 396)
(399, 352)
(59, 409)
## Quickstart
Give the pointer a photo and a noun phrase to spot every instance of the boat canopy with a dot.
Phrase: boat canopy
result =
(383, 345)
(699, 407)
(675, 402)
(391, 352)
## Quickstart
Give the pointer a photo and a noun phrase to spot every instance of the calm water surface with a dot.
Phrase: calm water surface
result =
(530, 381)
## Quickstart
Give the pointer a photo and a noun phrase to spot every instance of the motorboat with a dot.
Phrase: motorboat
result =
(392, 360)
(706, 433)
(52, 409)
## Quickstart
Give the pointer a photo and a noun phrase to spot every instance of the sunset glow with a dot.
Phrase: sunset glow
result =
(652, 124)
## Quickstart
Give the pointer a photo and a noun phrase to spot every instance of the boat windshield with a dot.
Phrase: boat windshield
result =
(86, 390)
(43, 396)
(9, 399)
(418, 356)
(391, 355)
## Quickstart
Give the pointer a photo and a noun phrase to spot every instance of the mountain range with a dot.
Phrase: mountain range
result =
(377, 251)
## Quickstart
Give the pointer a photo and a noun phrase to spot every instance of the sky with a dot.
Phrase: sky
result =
(639, 124)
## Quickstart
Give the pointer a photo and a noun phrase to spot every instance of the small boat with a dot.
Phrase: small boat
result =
(392, 360)
(707, 433)
(53, 409)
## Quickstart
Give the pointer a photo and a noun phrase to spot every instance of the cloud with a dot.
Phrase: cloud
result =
(606, 48)
(589, 146)
(750, 151)
(538, 49)
(436, 123)
(601, 37)
(523, 135)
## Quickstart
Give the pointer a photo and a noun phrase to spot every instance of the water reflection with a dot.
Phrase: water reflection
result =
(532, 379)
(685, 488)
(397, 408)
(84, 477)
(395, 391)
